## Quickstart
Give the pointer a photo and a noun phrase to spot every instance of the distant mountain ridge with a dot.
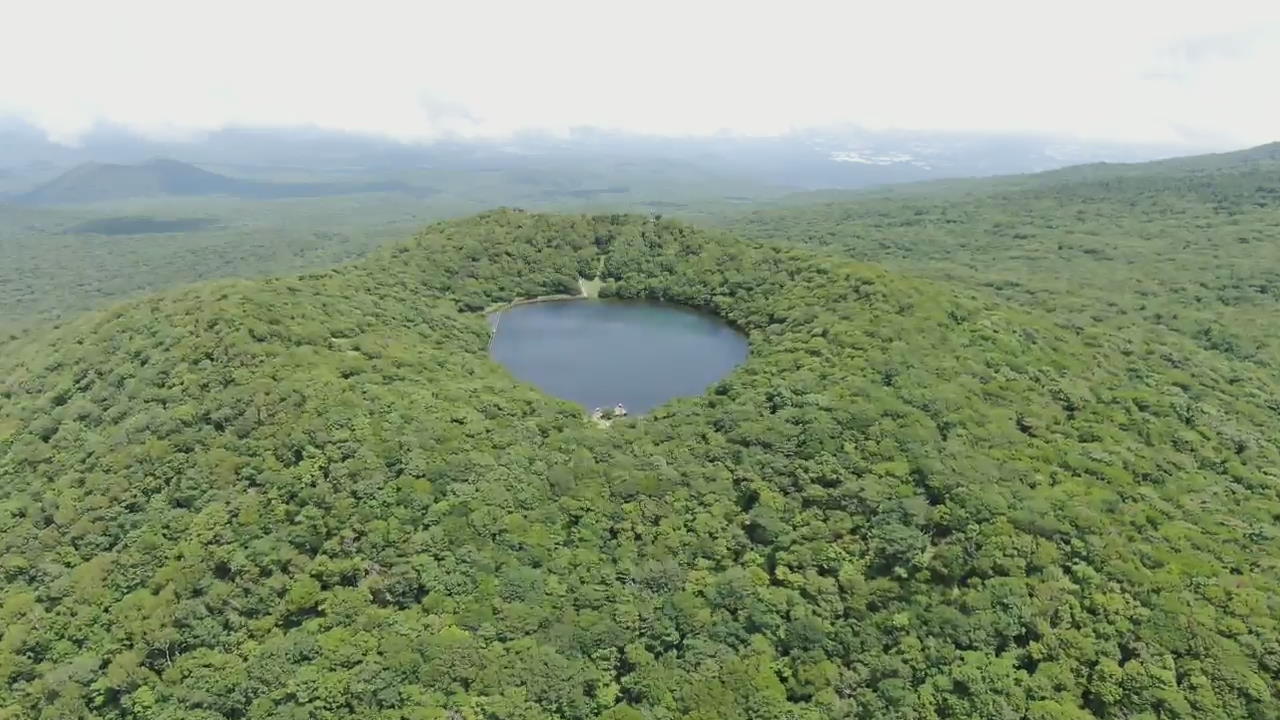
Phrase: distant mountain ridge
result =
(101, 182)
(1201, 171)
(840, 156)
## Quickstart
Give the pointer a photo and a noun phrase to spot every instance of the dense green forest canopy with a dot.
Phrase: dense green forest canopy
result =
(317, 497)
(58, 263)
(1190, 245)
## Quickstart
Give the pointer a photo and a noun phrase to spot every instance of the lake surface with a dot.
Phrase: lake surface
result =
(598, 353)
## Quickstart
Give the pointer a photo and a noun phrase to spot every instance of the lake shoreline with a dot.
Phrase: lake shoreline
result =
(612, 352)
(587, 289)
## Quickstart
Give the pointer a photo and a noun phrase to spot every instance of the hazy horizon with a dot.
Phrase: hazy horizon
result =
(1140, 72)
(103, 130)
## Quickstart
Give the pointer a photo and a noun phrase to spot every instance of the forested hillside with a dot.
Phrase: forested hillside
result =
(59, 260)
(317, 497)
(1190, 245)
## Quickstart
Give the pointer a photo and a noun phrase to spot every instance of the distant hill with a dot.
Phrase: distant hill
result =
(1254, 159)
(1204, 172)
(103, 182)
(1189, 244)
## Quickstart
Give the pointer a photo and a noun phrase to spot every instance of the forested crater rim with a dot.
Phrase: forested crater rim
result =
(904, 503)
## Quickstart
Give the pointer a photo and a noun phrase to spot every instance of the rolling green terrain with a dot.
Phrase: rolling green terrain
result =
(316, 497)
(140, 225)
(1189, 245)
(55, 267)
(56, 263)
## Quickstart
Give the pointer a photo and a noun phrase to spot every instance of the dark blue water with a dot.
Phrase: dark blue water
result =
(598, 353)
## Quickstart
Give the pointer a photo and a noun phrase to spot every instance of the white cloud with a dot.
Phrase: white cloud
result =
(1120, 69)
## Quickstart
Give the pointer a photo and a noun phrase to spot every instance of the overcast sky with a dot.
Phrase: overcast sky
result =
(1204, 71)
